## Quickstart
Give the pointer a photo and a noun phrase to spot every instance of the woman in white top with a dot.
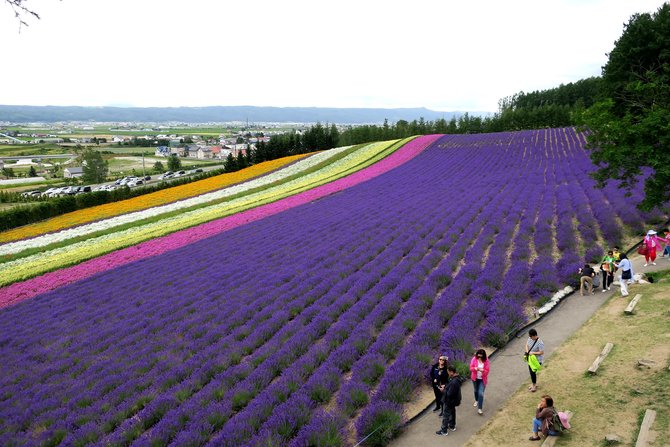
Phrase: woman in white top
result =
(626, 268)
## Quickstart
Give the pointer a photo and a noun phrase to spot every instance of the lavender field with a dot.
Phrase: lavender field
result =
(311, 326)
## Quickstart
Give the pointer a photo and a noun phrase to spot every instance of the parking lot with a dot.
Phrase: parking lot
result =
(128, 181)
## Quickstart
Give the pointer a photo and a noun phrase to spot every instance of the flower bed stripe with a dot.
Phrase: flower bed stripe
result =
(145, 201)
(18, 292)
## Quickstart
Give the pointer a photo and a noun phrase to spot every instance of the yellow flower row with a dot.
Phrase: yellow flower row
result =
(34, 265)
(157, 198)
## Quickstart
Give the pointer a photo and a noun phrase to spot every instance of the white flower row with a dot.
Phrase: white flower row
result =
(70, 233)
(558, 296)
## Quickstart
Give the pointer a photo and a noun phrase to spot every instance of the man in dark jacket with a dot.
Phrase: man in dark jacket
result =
(438, 380)
(587, 274)
(451, 400)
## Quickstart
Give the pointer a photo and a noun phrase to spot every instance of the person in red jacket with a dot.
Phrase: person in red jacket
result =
(652, 243)
(479, 373)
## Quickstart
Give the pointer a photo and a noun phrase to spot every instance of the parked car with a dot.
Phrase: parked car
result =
(53, 192)
(166, 175)
(83, 189)
(58, 191)
(180, 173)
(31, 194)
(69, 190)
(148, 177)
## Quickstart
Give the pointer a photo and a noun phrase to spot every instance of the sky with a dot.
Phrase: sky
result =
(445, 55)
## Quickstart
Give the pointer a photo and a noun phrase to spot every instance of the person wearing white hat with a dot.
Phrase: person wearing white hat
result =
(651, 243)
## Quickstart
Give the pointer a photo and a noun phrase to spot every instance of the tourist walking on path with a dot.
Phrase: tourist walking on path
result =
(534, 347)
(666, 250)
(452, 399)
(479, 373)
(607, 267)
(651, 243)
(438, 380)
(544, 415)
(626, 268)
(587, 275)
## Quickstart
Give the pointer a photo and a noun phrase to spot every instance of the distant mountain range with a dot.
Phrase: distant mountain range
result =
(252, 114)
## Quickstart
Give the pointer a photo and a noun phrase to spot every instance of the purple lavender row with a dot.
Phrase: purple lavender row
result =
(347, 347)
(406, 372)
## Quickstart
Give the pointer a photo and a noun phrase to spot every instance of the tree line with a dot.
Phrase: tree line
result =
(558, 107)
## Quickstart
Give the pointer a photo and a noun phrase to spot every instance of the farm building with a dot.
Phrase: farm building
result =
(73, 172)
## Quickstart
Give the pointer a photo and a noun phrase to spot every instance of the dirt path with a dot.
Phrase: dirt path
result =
(509, 372)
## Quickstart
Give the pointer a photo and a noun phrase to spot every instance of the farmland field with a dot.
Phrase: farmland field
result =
(128, 163)
(311, 325)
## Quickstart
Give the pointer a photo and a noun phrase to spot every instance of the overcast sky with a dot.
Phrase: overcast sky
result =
(445, 55)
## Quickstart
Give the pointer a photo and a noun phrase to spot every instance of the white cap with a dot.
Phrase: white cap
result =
(650, 232)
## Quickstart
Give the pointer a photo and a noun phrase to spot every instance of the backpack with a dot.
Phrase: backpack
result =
(452, 395)
(596, 280)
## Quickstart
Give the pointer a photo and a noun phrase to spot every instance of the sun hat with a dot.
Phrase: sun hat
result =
(564, 419)
(650, 232)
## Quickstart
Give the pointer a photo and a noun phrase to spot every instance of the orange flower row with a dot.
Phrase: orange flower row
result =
(157, 198)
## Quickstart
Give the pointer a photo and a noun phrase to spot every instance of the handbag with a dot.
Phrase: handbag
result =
(534, 364)
(525, 355)
(626, 274)
(642, 249)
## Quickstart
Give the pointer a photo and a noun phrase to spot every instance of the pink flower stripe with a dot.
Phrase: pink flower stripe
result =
(17, 292)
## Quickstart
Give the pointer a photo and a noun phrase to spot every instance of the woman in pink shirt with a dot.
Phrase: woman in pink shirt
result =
(479, 368)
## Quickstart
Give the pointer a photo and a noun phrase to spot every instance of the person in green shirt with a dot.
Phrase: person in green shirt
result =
(607, 266)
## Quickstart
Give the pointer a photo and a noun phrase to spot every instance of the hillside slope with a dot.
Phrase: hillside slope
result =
(313, 322)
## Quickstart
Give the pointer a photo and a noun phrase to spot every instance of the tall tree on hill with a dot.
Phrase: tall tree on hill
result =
(174, 163)
(94, 167)
(230, 165)
(631, 125)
